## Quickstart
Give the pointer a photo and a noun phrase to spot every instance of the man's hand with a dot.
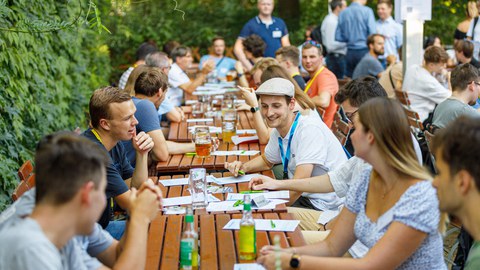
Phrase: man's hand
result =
(142, 143)
(149, 185)
(249, 96)
(208, 66)
(144, 205)
(182, 114)
(234, 167)
(263, 182)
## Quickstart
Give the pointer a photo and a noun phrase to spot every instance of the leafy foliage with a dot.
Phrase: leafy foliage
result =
(51, 63)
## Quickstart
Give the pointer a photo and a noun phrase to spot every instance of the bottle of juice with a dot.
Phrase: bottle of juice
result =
(189, 244)
(248, 238)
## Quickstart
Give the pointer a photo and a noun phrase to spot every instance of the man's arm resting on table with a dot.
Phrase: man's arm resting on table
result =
(160, 149)
(301, 171)
(190, 86)
(180, 148)
(140, 174)
(323, 99)
(257, 164)
(174, 115)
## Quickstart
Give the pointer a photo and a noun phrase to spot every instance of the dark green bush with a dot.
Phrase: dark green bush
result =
(46, 78)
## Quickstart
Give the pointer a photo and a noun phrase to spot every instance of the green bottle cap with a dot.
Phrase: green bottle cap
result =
(247, 203)
(189, 219)
(247, 207)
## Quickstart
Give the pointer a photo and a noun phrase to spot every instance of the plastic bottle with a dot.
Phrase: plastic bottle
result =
(189, 244)
(248, 235)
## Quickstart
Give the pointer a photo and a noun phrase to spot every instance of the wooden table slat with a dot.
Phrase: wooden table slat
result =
(208, 253)
(154, 242)
(170, 253)
(226, 248)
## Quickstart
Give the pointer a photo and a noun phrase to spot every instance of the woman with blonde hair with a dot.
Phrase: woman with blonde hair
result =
(392, 208)
(129, 87)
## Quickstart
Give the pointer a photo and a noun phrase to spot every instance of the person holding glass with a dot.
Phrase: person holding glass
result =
(392, 208)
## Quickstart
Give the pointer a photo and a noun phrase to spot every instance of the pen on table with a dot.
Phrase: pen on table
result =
(190, 154)
(243, 152)
(272, 224)
(240, 172)
(251, 191)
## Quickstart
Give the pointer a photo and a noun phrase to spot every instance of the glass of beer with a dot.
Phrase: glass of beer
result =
(203, 141)
(231, 75)
(229, 125)
(197, 110)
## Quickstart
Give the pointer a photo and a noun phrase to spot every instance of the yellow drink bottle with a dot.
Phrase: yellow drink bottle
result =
(247, 235)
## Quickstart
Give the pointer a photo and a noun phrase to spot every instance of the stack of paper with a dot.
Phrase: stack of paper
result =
(236, 152)
(194, 120)
(248, 266)
(275, 225)
(282, 194)
(233, 180)
(182, 181)
(185, 200)
(212, 129)
(229, 205)
(244, 139)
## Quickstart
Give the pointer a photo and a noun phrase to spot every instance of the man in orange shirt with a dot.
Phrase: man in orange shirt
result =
(322, 86)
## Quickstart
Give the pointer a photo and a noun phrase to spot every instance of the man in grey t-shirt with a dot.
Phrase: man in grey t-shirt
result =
(465, 81)
(70, 180)
(369, 65)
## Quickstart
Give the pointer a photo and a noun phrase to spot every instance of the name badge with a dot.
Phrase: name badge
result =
(260, 201)
(223, 70)
(277, 34)
(385, 220)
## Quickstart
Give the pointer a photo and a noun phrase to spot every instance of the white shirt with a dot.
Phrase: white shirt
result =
(476, 31)
(312, 143)
(176, 77)
(124, 78)
(424, 91)
(328, 28)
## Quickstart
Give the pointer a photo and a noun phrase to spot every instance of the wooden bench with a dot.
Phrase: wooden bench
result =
(25, 170)
(340, 129)
(23, 187)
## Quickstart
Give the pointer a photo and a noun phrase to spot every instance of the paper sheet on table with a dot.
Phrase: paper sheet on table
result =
(238, 140)
(239, 101)
(182, 181)
(246, 131)
(235, 153)
(174, 210)
(212, 129)
(186, 200)
(248, 266)
(190, 101)
(193, 120)
(327, 215)
(275, 225)
(228, 205)
(209, 92)
(233, 180)
(282, 194)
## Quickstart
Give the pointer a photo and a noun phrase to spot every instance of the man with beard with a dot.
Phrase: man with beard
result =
(370, 65)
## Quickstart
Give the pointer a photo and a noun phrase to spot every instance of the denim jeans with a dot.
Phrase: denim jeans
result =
(352, 58)
(116, 228)
(336, 64)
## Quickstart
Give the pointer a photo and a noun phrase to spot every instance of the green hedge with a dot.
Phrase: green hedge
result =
(46, 78)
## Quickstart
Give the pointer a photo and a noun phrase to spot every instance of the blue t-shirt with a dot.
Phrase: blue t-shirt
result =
(118, 170)
(271, 34)
(147, 117)
(369, 65)
(223, 64)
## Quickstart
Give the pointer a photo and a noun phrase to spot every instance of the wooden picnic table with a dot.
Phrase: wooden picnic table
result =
(184, 162)
(218, 248)
(177, 191)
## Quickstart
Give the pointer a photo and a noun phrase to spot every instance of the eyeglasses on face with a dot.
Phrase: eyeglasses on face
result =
(350, 115)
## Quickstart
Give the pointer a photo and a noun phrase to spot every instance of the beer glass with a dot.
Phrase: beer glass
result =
(203, 141)
(197, 110)
(198, 188)
(229, 125)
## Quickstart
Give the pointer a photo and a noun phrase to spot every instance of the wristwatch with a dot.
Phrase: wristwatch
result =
(295, 261)
(254, 109)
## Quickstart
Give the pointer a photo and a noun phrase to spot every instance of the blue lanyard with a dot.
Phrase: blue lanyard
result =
(286, 156)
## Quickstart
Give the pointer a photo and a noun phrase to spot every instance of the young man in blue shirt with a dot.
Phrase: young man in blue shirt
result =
(223, 64)
(271, 29)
